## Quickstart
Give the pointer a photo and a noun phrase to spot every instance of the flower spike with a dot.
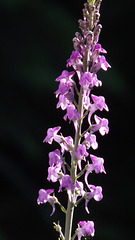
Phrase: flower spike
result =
(74, 158)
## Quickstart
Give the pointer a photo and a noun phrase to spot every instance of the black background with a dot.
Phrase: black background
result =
(35, 43)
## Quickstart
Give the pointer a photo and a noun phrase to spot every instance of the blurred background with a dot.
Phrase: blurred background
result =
(35, 43)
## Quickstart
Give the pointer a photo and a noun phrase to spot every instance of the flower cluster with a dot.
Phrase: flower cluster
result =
(75, 97)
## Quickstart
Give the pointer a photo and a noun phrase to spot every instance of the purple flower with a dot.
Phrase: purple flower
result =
(96, 193)
(96, 51)
(96, 82)
(65, 100)
(66, 84)
(56, 163)
(55, 158)
(65, 182)
(90, 141)
(85, 229)
(64, 88)
(44, 197)
(101, 125)
(65, 76)
(89, 80)
(52, 135)
(86, 80)
(75, 60)
(100, 63)
(89, 169)
(99, 102)
(66, 144)
(97, 165)
(81, 153)
(86, 101)
(79, 189)
(72, 114)
(54, 173)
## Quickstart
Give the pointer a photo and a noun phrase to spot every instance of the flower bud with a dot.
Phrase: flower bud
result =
(96, 16)
(86, 5)
(98, 3)
(85, 13)
(91, 8)
(89, 37)
(84, 25)
(97, 31)
(79, 36)
(76, 43)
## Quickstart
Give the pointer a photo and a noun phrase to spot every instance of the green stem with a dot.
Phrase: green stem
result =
(73, 172)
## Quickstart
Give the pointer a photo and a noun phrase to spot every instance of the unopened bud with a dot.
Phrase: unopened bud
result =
(96, 16)
(79, 36)
(76, 43)
(80, 21)
(85, 13)
(98, 3)
(83, 24)
(97, 31)
(86, 5)
(91, 8)
(89, 37)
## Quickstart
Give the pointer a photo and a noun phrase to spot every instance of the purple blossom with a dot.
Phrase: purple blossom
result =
(66, 182)
(100, 63)
(55, 158)
(96, 193)
(90, 141)
(75, 60)
(44, 197)
(66, 144)
(86, 80)
(66, 84)
(96, 51)
(96, 82)
(54, 173)
(89, 80)
(65, 76)
(52, 135)
(97, 165)
(72, 114)
(65, 100)
(101, 125)
(86, 100)
(64, 88)
(99, 102)
(79, 189)
(85, 229)
(81, 153)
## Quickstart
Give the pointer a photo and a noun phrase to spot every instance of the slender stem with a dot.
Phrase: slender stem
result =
(57, 227)
(73, 172)
(69, 220)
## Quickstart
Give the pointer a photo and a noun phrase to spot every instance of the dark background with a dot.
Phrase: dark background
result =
(35, 42)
